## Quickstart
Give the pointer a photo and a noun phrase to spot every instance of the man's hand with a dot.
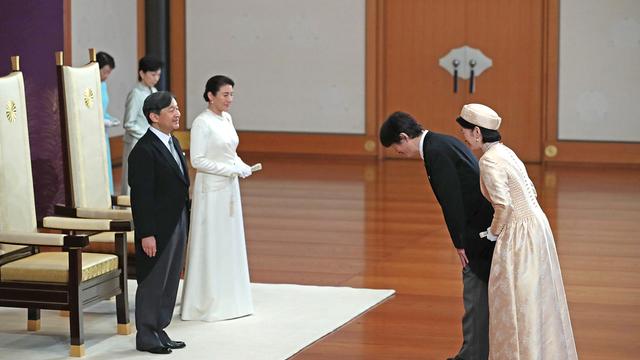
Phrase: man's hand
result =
(463, 258)
(149, 246)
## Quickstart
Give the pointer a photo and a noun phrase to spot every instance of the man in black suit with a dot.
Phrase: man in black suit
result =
(160, 204)
(453, 173)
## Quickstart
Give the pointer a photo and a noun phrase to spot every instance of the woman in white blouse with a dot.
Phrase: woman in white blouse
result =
(216, 285)
(135, 123)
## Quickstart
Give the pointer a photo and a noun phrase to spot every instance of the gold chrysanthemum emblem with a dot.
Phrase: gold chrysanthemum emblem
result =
(88, 97)
(11, 111)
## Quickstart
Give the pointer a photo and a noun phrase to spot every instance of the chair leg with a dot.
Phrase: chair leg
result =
(122, 308)
(33, 322)
(76, 316)
(122, 300)
(77, 351)
(76, 322)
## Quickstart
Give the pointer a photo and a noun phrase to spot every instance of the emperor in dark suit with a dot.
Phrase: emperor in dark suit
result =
(160, 204)
(454, 177)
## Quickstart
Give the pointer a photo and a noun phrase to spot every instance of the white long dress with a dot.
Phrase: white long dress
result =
(216, 284)
(528, 312)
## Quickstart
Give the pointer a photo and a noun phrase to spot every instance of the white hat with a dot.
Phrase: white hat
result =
(481, 115)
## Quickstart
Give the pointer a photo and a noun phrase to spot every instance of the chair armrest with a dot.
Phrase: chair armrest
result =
(31, 238)
(121, 200)
(93, 213)
(113, 214)
(68, 223)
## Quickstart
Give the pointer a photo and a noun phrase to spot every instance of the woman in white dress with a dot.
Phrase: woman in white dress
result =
(135, 124)
(216, 284)
(528, 312)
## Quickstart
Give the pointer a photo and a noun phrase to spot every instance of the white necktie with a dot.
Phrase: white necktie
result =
(174, 153)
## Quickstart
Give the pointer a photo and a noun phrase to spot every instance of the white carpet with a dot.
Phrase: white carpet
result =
(287, 318)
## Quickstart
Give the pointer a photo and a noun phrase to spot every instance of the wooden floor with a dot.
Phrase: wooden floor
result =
(376, 224)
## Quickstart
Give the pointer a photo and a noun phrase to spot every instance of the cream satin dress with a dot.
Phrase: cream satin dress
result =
(216, 285)
(528, 313)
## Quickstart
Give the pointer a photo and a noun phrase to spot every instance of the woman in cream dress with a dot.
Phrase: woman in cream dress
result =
(528, 313)
(216, 285)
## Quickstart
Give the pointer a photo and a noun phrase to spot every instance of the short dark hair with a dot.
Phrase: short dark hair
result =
(488, 136)
(397, 123)
(149, 63)
(105, 59)
(215, 83)
(155, 102)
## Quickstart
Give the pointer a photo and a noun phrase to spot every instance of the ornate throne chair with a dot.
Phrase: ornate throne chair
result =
(66, 279)
(86, 158)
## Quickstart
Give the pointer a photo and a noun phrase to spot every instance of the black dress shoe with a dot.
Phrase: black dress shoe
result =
(156, 350)
(175, 344)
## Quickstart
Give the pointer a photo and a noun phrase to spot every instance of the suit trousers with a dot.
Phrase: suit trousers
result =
(475, 322)
(156, 295)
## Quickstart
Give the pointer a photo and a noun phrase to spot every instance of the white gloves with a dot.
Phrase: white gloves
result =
(243, 170)
(489, 235)
(111, 122)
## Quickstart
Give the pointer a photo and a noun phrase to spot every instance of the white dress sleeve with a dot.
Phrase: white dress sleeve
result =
(200, 134)
(496, 182)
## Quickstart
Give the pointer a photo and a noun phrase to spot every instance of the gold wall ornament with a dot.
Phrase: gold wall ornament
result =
(369, 145)
(88, 97)
(11, 111)
(551, 151)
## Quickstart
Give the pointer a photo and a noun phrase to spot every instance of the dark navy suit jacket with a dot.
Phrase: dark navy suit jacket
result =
(454, 176)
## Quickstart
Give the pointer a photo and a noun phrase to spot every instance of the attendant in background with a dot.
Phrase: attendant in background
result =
(216, 285)
(528, 312)
(107, 64)
(135, 124)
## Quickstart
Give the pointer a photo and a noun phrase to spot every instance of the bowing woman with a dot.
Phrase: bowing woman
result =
(528, 312)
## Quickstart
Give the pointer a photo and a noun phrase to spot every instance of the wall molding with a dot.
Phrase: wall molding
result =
(561, 151)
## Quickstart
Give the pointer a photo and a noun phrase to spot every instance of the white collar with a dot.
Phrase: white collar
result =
(221, 116)
(487, 146)
(162, 136)
(150, 89)
(424, 133)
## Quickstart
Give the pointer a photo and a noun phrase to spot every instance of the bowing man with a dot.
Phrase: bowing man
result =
(453, 173)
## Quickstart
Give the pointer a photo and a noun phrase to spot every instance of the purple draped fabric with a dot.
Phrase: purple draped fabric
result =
(34, 30)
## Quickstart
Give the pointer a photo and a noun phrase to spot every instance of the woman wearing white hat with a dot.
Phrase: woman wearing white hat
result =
(528, 312)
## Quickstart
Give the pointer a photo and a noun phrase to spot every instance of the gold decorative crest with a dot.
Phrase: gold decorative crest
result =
(369, 145)
(88, 97)
(11, 111)
(551, 151)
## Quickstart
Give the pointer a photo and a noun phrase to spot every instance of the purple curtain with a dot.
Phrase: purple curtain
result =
(34, 30)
